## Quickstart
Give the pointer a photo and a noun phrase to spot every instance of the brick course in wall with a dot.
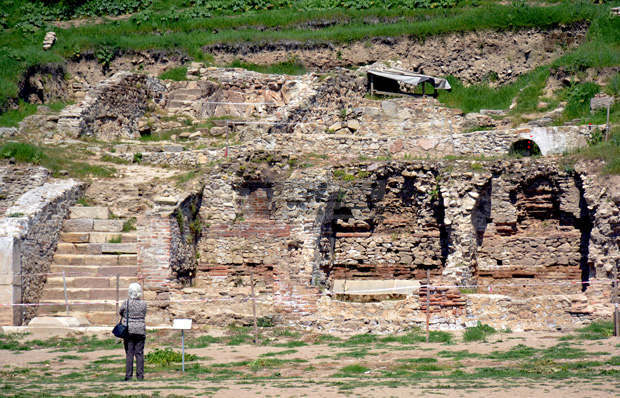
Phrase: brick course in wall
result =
(154, 239)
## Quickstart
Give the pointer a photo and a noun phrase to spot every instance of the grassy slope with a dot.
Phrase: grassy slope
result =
(189, 33)
(159, 27)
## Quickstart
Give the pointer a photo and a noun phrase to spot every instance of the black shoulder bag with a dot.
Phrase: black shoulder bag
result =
(122, 331)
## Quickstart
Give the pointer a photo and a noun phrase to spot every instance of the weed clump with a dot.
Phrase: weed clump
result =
(166, 356)
(478, 332)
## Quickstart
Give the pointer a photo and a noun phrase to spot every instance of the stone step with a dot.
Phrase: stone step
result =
(89, 212)
(80, 294)
(90, 224)
(101, 318)
(96, 248)
(96, 315)
(74, 237)
(105, 237)
(119, 248)
(194, 92)
(90, 259)
(179, 104)
(183, 97)
(97, 237)
(89, 282)
(57, 307)
(78, 248)
(85, 270)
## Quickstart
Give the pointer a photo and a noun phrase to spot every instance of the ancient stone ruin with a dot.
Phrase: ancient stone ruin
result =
(337, 205)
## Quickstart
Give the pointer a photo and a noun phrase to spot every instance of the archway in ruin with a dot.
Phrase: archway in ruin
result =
(525, 147)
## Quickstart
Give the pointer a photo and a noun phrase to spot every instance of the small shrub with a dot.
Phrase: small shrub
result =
(129, 225)
(164, 357)
(180, 220)
(137, 157)
(16, 215)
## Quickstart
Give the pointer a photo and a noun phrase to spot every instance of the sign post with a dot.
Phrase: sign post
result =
(183, 325)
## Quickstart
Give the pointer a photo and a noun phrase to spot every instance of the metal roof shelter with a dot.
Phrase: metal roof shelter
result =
(388, 81)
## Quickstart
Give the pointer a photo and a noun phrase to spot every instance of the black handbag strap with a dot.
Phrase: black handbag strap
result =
(127, 315)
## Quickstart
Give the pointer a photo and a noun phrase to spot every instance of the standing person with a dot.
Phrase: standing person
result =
(135, 307)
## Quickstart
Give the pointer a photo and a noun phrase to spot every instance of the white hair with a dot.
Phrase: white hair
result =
(135, 291)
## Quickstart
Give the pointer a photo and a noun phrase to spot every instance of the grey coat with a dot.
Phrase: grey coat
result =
(137, 313)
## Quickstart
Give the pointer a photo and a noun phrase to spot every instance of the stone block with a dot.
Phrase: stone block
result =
(89, 212)
(165, 200)
(127, 259)
(74, 237)
(108, 225)
(78, 225)
(105, 237)
(173, 148)
(119, 248)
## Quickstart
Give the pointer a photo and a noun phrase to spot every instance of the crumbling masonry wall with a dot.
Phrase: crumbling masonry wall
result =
(506, 243)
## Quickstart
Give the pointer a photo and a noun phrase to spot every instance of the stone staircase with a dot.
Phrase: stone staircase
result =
(184, 98)
(92, 252)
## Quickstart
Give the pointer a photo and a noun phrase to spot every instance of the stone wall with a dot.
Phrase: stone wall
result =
(111, 110)
(327, 248)
(29, 233)
(15, 180)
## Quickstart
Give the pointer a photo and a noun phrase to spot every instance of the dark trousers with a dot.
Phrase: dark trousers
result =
(134, 346)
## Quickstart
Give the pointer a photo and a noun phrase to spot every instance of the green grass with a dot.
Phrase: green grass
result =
(55, 159)
(351, 371)
(291, 344)
(517, 352)
(177, 74)
(203, 341)
(189, 32)
(165, 357)
(478, 332)
(113, 159)
(291, 67)
(160, 136)
(82, 344)
(527, 88)
(607, 151)
(278, 353)
(597, 330)
(262, 363)
(11, 118)
(415, 336)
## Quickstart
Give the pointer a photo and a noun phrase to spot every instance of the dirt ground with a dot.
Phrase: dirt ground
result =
(295, 364)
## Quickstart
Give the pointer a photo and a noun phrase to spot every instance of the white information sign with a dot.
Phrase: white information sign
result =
(182, 324)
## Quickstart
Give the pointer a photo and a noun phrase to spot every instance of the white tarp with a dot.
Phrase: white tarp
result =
(411, 78)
